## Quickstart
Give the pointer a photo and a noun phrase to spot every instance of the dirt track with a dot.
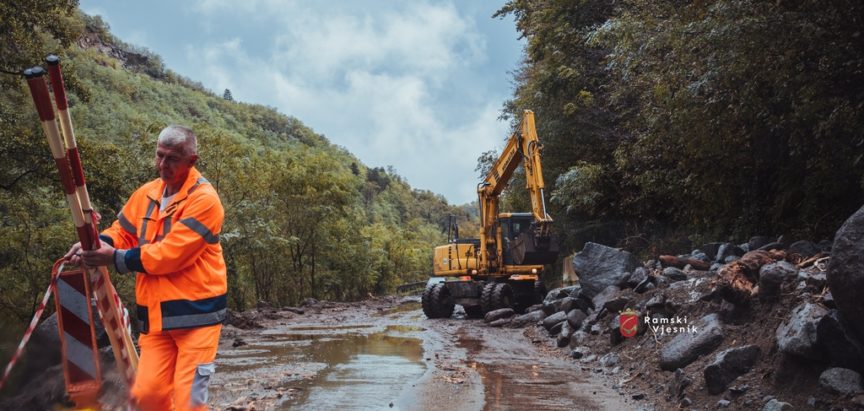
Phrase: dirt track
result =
(384, 354)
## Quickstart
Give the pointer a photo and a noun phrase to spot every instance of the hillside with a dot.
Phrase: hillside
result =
(304, 217)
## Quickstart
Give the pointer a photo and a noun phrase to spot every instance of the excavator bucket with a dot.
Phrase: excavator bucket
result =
(528, 249)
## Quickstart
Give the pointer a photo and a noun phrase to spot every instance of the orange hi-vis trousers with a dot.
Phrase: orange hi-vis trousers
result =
(175, 368)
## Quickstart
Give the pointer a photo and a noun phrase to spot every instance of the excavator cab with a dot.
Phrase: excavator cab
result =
(521, 245)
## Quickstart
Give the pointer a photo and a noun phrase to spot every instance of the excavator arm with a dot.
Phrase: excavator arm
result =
(522, 147)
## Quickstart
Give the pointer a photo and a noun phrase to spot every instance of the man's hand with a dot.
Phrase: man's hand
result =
(74, 254)
(91, 258)
(97, 258)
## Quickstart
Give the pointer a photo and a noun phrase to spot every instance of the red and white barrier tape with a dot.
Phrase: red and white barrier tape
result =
(30, 328)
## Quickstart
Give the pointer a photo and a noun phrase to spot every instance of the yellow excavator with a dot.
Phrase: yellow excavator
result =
(503, 267)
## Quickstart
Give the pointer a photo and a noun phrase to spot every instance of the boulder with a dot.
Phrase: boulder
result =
(674, 274)
(498, 314)
(782, 269)
(554, 319)
(758, 241)
(551, 306)
(575, 317)
(798, 336)
(772, 276)
(841, 381)
(556, 329)
(527, 319)
(727, 250)
(729, 365)
(813, 277)
(699, 255)
(560, 292)
(835, 337)
(803, 248)
(501, 322)
(638, 275)
(710, 250)
(615, 336)
(599, 266)
(564, 337)
(609, 293)
(567, 304)
(583, 302)
(686, 347)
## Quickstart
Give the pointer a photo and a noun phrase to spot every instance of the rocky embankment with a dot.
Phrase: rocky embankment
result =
(763, 325)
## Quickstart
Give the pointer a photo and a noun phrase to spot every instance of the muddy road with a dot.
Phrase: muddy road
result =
(384, 354)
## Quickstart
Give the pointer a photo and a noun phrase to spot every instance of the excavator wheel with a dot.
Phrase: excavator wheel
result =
(495, 296)
(436, 301)
(473, 311)
(486, 298)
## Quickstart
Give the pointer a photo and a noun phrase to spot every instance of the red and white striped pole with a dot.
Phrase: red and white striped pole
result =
(103, 288)
(121, 341)
(59, 88)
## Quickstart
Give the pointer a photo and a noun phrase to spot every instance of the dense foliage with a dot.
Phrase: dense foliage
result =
(719, 119)
(304, 218)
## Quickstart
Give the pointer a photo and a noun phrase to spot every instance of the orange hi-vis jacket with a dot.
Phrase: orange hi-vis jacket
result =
(182, 280)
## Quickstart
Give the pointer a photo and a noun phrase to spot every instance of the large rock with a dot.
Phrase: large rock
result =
(559, 293)
(686, 347)
(554, 319)
(772, 276)
(674, 274)
(575, 317)
(803, 248)
(729, 365)
(599, 266)
(841, 381)
(498, 314)
(609, 293)
(758, 241)
(527, 319)
(835, 337)
(798, 335)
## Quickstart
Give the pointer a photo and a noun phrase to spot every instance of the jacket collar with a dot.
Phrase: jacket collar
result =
(155, 193)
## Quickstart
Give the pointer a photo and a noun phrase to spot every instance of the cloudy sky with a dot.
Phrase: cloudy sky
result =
(416, 84)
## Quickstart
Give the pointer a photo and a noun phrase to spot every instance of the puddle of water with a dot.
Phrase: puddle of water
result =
(332, 368)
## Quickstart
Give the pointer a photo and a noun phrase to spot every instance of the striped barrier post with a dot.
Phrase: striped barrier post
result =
(110, 308)
(77, 338)
(121, 341)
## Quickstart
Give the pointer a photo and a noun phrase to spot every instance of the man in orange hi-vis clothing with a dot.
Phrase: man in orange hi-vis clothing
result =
(168, 233)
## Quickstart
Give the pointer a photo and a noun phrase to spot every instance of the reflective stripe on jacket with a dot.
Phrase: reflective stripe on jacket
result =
(181, 280)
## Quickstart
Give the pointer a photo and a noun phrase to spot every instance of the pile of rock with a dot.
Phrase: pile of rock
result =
(764, 281)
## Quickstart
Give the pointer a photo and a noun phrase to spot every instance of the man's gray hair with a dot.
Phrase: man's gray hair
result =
(175, 135)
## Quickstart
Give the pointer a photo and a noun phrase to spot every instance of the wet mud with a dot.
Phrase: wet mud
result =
(385, 355)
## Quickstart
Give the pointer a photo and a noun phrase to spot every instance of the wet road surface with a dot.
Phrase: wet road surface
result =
(382, 355)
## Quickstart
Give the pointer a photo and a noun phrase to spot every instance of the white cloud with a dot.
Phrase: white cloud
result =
(371, 79)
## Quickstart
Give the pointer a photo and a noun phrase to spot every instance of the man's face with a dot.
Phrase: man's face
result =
(173, 164)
